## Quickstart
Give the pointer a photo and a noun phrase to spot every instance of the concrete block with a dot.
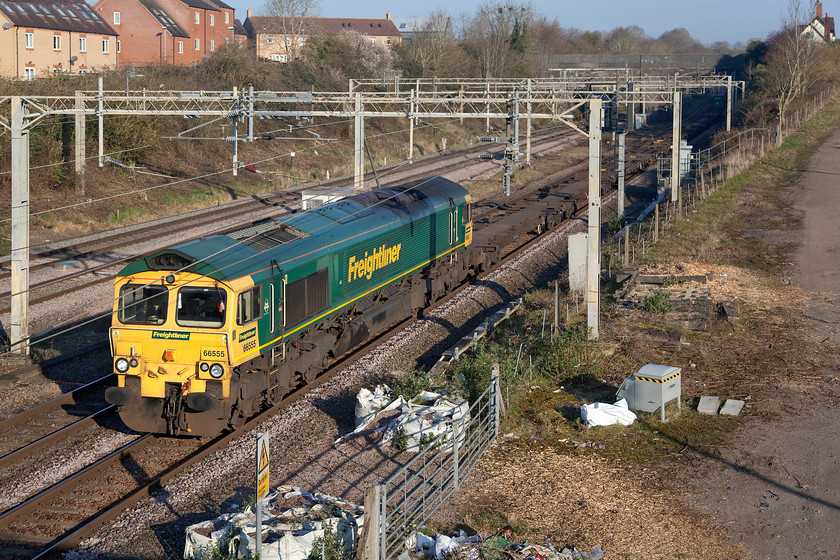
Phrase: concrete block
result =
(732, 407)
(708, 405)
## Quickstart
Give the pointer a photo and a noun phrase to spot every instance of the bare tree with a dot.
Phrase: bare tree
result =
(626, 40)
(431, 49)
(291, 24)
(680, 41)
(497, 33)
(795, 61)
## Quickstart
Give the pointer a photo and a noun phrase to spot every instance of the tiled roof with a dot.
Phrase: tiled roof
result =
(372, 27)
(163, 18)
(200, 4)
(221, 4)
(238, 29)
(61, 15)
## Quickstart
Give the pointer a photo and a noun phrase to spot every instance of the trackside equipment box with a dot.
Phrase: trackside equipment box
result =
(652, 387)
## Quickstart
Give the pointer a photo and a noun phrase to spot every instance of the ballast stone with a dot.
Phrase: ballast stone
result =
(708, 405)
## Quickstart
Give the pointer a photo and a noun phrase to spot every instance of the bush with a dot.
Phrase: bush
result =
(658, 302)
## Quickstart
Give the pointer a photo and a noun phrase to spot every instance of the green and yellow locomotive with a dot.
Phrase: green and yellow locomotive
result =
(207, 333)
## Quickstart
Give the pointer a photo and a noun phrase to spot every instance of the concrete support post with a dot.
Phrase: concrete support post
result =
(593, 261)
(621, 139)
(250, 112)
(235, 135)
(529, 108)
(19, 321)
(487, 106)
(81, 164)
(412, 106)
(101, 123)
(729, 103)
(675, 144)
(359, 148)
(516, 115)
(631, 108)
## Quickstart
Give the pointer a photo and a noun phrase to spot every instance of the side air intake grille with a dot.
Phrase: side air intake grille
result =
(267, 235)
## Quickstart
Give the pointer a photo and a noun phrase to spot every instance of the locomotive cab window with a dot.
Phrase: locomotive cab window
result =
(467, 213)
(201, 307)
(143, 305)
(249, 306)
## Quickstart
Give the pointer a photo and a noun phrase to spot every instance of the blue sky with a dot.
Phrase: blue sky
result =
(707, 20)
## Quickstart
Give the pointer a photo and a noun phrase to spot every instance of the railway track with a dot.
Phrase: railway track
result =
(59, 517)
(88, 255)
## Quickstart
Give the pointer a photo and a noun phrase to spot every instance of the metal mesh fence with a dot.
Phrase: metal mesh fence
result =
(414, 493)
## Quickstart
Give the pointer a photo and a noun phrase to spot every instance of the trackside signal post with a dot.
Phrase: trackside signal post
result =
(262, 484)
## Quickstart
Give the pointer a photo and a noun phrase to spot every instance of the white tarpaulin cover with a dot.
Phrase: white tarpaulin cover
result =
(421, 420)
(603, 414)
(293, 520)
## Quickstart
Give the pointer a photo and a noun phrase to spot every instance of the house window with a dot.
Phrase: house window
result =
(180, 47)
(197, 19)
(269, 40)
(212, 19)
(116, 18)
(29, 40)
(197, 44)
(56, 42)
(82, 44)
(29, 73)
(373, 40)
(301, 41)
(212, 45)
(388, 41)
(106, 46)
(227, 40)
(288, 41)
(227, 17)
(118, 45)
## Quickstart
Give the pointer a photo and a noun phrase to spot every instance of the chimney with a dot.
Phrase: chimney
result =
(819, 9)
(248, 13)
(387, 15)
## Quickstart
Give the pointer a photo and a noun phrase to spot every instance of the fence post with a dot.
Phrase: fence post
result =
(373, 524)
(497, 398)
(455, 427)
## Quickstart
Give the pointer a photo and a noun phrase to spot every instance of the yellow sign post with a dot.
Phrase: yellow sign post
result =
(262, 483)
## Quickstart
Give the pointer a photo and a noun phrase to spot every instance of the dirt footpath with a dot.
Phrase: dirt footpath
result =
(777, 485)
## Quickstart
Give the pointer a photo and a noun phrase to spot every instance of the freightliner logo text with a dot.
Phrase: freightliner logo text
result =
(364, 267)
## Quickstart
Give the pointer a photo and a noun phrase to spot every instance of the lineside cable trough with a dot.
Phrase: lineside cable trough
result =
(471, 341)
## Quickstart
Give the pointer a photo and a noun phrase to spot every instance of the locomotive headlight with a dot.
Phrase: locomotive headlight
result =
(133, 362)
(121, 365)
(204, 366)
(216, 371)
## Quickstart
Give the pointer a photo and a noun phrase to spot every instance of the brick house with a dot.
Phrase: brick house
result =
(276, 38)
(40, 38)
(180, 32)
(821, 27)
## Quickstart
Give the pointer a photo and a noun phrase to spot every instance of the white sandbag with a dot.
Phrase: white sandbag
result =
(603, 414)
(369, 403)
(289, 533)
